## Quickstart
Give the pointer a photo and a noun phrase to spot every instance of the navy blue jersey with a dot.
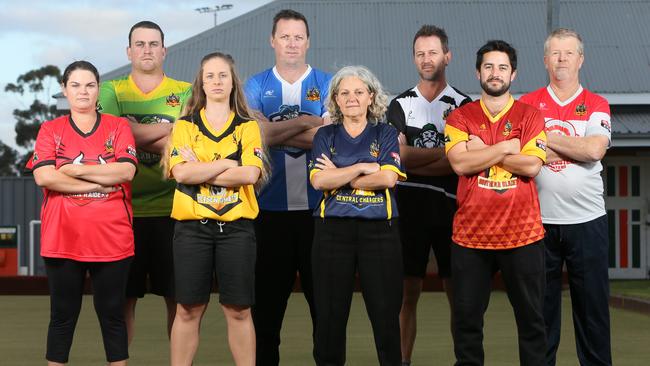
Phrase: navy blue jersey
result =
(376, 144)
(288, 188)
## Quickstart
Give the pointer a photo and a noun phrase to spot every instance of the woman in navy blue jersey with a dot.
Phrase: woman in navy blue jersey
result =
(356, 165)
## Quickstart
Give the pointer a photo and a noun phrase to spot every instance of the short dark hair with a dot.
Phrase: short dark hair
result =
(79, 65)
(147, 24)
(429, 30)
(500, 46)
(288, 14)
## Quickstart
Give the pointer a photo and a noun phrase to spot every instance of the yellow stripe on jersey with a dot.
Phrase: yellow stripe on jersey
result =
(312, 172)
(536, 146)
(389, 206)
(322, 204)
(400, 175)
(503, 112)
(238, 140)
(453, 136)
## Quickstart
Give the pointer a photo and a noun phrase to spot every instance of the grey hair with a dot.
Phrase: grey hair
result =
(379, 104)
(562, 33)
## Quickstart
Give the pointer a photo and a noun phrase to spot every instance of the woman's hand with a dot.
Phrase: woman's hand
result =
(188, 154)
(369, 168)
(324, 163)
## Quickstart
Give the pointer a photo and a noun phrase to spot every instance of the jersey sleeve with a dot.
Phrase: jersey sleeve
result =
(533, 137)
(125, 143)
(108, 99)
(44, 149)
(455, 130)
(389, 158)
(600, 121)
(465, 101)
(185, 97)
(395, 116)
(253, 94)
(319, 146)
(181, 137)
(325, 90)
(252, 151)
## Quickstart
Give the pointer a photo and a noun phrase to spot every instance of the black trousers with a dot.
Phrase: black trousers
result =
(283, 249)
(66, 281)
(343, 247)
(584, 249)
(522, 270)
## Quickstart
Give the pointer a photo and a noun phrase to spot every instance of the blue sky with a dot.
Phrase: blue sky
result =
(35, 33)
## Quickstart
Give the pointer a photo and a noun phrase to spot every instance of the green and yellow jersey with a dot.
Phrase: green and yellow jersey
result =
(152, 195)
(239, 140)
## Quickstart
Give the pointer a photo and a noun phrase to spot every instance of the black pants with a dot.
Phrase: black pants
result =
(341, 248)
(283, 249)
(66, 281)
(522, 270)
(584, 249)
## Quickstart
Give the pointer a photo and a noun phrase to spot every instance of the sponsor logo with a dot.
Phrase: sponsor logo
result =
(581, 109)
(605, 124)
(542, 106)
(131, 150)
(269, 93)
(374, 149)
(558, 166)
(396, 158)
(482, 127)
(258, 152)
(173, 100)
(313, 94)
(497, 179)
(541, 144)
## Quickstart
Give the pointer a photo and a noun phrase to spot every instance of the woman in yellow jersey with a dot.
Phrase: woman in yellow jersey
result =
(216, 157)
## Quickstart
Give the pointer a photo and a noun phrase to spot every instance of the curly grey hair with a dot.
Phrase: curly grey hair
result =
(379, 104)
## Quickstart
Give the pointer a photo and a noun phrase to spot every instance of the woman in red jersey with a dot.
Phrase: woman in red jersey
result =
(84, 161)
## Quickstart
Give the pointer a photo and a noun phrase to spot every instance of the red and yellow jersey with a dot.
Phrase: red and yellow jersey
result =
(497, 209)
(239, 140)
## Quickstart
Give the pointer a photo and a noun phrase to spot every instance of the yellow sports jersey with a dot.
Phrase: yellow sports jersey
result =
(152, 194)
(239, 140)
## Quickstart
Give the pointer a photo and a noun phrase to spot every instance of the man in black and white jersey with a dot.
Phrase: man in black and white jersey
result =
(426, 201)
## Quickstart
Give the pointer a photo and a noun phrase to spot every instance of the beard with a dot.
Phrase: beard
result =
(434, 75)
(495, 92)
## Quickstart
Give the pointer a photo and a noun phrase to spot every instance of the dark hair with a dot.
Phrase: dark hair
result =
(79, 65)
(429, 30)
(147, 24)
(500, 46)
(288, 14)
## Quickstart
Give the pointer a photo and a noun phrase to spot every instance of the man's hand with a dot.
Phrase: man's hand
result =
(513, 146)
(475, 143)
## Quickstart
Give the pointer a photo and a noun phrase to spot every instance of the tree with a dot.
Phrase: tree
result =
(8, 160)
(39, 84)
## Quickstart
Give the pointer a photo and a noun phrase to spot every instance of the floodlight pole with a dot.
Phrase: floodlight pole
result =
(215, 10)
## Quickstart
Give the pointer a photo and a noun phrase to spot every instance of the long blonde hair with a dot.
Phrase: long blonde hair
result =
(237, 103)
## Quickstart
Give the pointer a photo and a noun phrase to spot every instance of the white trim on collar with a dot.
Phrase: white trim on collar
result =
(566, 102)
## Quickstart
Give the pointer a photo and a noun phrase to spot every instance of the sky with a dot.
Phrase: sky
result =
(36, 33)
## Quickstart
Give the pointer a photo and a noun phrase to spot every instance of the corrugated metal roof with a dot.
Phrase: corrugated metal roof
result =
(631, 123)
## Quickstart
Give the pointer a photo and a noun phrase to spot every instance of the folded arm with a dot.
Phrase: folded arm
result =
(469, 162)
(236, 177)
(50, 178)
(586, 149)
(379, 180)
(104, 174)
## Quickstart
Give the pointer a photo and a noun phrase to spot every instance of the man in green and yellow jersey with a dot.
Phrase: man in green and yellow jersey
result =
(152, 102)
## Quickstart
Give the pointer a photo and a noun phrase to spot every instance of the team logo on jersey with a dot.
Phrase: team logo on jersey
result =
(269, 93)
(258, 152)
(359, 199)
(541, 144)
(563, 128)
(131, 150)
(429, 137)
(445, 114)
(99, 107)
(108, 144)
(396, 158)
(507, 128)
(313, 94)
(482, 127)
(173, 100)
(174, 152)
(605, 124)
(497, 179)
(34, 157)
(374, 149)
(332, 151)
(581, 109)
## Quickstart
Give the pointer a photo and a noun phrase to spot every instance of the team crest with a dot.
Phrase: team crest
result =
(429, 137)
(216, 157)
(131, 150)
(605, 124)
(445, 114)
(482, 127)
(99, 107)
(541, 144)
(173, 100)
(332, 151)
(174, 152)
(108, 144)
(396, 158)
(313, 94)
(374, 149)
(581, 109)
(507, 129)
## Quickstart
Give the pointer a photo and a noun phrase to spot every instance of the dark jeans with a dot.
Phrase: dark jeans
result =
(584, 248)
(283, 249)
(522, 270)
(343, 247)
(66, 281)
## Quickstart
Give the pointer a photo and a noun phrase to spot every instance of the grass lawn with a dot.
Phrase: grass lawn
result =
(631, 288)
(23, 327)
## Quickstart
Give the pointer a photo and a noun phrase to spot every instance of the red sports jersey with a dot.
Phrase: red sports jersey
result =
(497, 209)
(88, 227)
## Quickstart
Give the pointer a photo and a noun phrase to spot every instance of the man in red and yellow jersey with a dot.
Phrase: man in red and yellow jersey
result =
(497, 146)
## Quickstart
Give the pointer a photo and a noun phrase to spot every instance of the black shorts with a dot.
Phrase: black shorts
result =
(425, 223)
(203, 248)
(153, 257)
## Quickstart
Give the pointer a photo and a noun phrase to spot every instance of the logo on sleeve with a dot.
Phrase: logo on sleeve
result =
(258, 152)
(269, 93)
(313, 94)
(173, 100)
(131, 150)
(34, 157)
(605, 124)
(396, 158)
(540, 144)
(174, 152)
